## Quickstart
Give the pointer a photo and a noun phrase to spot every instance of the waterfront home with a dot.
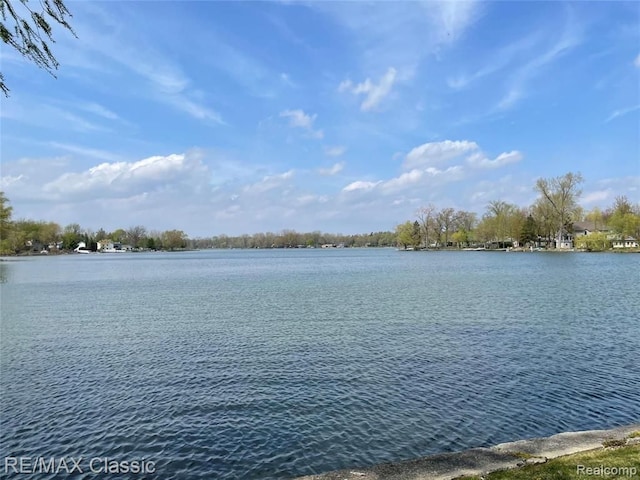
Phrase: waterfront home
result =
(105, 245)
(578, 229)
(581, 229)
(34, 245)
(624, 242)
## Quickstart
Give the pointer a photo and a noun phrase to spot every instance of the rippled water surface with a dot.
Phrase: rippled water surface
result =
(275, 364)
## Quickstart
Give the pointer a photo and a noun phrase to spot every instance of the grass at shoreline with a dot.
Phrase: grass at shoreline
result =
(609, 463)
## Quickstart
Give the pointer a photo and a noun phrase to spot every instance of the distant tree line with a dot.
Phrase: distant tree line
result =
(547, 221)
(31, 236)
(293, 239)
(22, 236)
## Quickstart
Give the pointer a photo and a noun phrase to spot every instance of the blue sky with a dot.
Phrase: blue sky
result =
(240, 117)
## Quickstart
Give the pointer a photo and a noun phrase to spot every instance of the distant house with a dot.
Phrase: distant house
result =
(105, 245)
(34, 245)
(579, 229)
(564, 240)
(55, 246)
(109, 246)
(586, 228)
(624, 242)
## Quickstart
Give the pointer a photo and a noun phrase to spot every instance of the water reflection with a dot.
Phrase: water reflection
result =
(4, 272)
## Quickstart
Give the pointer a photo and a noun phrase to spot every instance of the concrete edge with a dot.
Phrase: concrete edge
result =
(480, 461)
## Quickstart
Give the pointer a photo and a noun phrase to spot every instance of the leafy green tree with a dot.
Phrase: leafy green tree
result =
(416, 235)
(31, 36)
(624, 219)
(174, 239)
(5, 224)
(594, 242)
(118, 235)
(101, 235)
(404, 234)
(503, 220)
(597, 217)
(528, 231)
(71, 236)
(461, 237)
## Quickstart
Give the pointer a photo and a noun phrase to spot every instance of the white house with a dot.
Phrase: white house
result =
(105, 245)
(626, 242)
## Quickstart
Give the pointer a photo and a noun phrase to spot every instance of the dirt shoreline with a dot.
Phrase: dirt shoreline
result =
(480, 461)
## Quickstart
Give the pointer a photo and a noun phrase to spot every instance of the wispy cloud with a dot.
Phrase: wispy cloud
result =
(335, 169)
(374, 93)
(269, 182)
(597, 196)
(497, 61)
(299, 119)
(621, 112)
(402, 34)
(87, 152)
(636, 62)
(518, 82)
(335, 151)
(286, 79)
(99, 110)
(162, 78)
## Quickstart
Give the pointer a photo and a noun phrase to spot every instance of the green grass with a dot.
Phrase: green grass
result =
(566, 468)
(634, 434)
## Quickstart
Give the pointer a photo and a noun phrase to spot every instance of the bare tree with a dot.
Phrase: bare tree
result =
(426, 215)
(561, 194)
(135, 235)
(445, 221)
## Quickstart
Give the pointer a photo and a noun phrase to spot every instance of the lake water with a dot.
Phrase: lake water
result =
(280, 363)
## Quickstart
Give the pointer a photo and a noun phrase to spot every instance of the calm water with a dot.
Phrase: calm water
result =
(274, 364)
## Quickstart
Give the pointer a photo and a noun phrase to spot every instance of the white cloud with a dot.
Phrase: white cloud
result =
(422, 168)
(479, 159)
(437, 152)
(636, 62)
(121, 179)
(374, 93)
(335, 169)
(452, 18)
(299, 119)
(9, 181)
(335, 151)
(360, 185)
(404, 180)
(451, 173)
